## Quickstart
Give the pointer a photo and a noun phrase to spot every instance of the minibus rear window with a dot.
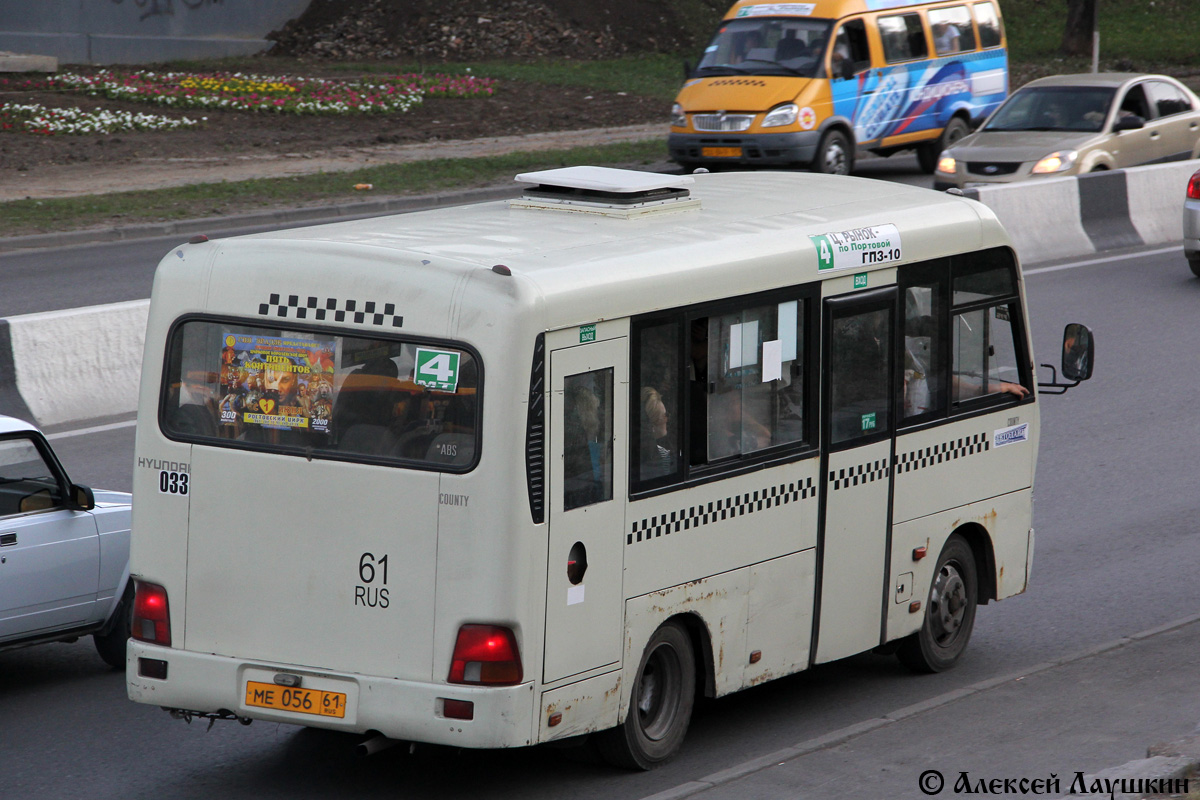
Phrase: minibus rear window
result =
(322, 394)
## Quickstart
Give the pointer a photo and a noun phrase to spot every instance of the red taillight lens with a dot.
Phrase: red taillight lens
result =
(486, 655)
(1194, 187)
(151, 618)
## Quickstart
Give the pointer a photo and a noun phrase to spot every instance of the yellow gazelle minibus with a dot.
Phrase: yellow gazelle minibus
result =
(516, 472)
(809, 84)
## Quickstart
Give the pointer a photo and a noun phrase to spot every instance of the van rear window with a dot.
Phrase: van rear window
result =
(322, 394)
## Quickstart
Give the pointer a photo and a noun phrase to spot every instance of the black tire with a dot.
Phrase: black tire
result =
(949, 612)
(1194, 263)
(660, 707)
(928, 154)
(834, 154)
(111, 645)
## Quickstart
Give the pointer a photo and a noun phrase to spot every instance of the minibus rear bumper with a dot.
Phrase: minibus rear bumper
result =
(203, 683)
(797, 147)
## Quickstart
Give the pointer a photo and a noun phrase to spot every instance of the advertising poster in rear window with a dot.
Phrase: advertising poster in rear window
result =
(275, 382)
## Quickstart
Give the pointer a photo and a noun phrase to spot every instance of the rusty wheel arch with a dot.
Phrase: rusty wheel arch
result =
(980, 542)
(701, 641)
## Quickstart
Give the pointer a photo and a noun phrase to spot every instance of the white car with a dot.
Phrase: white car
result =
(64, 551)
(1191, 224)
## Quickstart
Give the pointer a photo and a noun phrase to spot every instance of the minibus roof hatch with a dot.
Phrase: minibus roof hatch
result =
(604, 190)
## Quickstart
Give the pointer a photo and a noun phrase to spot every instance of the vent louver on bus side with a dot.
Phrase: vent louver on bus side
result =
(535, 433)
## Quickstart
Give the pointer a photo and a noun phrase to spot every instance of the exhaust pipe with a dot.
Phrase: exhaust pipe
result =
(369, 747)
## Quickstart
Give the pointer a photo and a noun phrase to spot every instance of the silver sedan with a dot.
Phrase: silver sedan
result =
(1072, 124)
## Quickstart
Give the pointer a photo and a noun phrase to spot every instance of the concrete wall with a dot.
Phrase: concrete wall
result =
(141, 31)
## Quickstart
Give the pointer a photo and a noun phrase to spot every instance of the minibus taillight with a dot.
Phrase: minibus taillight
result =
(486, 655)
(151, 620)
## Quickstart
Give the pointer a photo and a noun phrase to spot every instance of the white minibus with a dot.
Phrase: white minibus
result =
(520, 471)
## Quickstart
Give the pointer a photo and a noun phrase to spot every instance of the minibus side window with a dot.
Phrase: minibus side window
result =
(903, 38)
(753, 392)
(587, 438)
(987, 355)
(850, 54)
(989, 25)
(656, 403)
(952, 30)
(924, 365)
(736, 377)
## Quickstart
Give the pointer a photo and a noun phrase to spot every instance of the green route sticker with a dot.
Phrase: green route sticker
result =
(858, 247)
(587, 333)
(436, 369)
(868, 421)
(860, 280)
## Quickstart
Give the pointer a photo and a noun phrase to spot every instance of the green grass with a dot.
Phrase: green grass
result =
(649, 75)
(1145, 33)
(212, 199)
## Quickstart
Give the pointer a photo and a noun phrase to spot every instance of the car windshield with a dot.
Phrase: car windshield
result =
(767, 46)
(1054, 108)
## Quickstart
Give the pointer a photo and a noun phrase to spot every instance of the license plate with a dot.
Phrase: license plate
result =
(721, 152)
(302, 701)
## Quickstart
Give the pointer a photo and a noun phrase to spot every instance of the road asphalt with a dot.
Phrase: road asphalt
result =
(1081, 722)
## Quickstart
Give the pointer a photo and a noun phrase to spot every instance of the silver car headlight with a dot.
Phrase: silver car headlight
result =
(678, 117)
(1061, 161)
(947, 164)
(781, 115)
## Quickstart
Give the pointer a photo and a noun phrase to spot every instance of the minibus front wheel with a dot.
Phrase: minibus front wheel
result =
(834, 154)
(660, 707)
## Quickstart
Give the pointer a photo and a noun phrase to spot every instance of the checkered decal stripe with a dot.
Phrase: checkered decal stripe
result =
(705, 514)
(332, 309)
(946, 451)
(864, 473)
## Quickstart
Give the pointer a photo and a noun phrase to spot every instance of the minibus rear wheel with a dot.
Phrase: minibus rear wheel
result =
(834, 156)
(660, 707)
(949, 612)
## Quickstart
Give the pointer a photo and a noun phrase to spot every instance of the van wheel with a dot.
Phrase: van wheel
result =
(1194, 263)
(834, 156)
(928, 154)
(949, 612)
(111, 645)
(660, 707)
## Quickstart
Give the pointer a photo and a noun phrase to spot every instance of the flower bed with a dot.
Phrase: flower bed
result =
(38, 119)
(288, 95)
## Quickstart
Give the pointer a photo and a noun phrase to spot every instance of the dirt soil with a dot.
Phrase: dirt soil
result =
(513, 109)
(428, 32)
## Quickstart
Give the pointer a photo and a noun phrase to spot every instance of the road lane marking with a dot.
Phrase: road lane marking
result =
(112, 426)
(1091, 261)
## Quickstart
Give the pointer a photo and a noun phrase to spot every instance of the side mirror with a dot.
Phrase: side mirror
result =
(82, 498)
(1078, 350)
(687, 70)
(1078, 356)
(1130, 123)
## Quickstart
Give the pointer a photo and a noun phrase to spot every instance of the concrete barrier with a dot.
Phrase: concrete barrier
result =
(1066, 217)
(75, 364)
(85, 363)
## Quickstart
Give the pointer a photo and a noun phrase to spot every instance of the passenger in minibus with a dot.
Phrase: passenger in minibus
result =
(945, 38)
(656, 459)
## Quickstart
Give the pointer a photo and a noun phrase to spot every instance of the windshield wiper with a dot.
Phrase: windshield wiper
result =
(723, 69)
